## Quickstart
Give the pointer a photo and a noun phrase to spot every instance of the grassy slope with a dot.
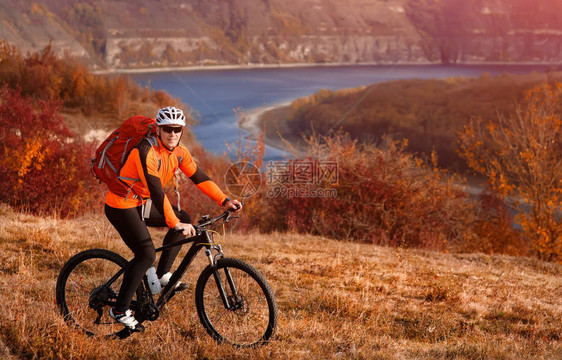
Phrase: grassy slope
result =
(336, 300)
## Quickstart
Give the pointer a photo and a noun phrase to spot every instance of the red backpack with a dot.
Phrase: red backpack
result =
(113, 152)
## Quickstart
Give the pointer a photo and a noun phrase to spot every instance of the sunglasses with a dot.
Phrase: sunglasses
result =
(170, 129)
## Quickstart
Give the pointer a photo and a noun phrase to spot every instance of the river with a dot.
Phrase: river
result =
(215, 94)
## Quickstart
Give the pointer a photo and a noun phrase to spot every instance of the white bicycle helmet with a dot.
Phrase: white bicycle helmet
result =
(170, 116)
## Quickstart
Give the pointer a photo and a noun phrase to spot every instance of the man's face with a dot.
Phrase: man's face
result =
(170, 135)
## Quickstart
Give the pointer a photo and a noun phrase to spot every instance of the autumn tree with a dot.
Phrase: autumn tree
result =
(521, 156)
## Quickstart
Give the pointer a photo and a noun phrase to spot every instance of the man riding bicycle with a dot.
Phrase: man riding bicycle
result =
(149, 167)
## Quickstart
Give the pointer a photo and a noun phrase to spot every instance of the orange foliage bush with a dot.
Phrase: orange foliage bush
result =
(45, 76)
(42, 166)
(494, 228)
(521, 156)
(383, 195)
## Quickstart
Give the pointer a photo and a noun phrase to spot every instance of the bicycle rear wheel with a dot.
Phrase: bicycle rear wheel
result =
(80, 297)
(247, 315)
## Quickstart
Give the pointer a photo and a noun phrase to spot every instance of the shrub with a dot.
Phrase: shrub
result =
(43, 166)
(521, 156)
(384, 196)
(45, 76)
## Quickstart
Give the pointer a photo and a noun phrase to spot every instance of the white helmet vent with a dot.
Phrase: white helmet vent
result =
(170, 116)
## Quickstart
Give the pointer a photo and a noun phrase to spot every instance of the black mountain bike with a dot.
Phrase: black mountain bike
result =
(234, 302)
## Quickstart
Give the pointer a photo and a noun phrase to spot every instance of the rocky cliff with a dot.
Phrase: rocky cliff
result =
(149, 33)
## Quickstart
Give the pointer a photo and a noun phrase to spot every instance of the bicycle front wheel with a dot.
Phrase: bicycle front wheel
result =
(236, 304)
(82, 300)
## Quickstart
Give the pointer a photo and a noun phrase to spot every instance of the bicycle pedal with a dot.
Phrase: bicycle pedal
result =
(126, 332)
(138, 328)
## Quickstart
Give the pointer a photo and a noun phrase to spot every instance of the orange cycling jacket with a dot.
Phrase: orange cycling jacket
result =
(148, 169)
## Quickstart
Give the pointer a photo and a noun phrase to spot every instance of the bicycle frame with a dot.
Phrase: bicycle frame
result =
(206, 242)
(201, 240)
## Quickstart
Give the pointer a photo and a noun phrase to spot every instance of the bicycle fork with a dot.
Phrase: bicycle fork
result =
(234, 298)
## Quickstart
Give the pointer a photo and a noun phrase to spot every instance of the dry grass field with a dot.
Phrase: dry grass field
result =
(337, 300)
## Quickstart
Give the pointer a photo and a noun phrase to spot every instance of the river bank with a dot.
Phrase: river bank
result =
(254, 123)
(253, 66)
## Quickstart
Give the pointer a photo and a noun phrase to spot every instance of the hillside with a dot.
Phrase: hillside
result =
(115, 34)
(337, 300)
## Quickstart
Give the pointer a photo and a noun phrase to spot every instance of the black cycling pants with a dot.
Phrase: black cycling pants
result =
(134, 232)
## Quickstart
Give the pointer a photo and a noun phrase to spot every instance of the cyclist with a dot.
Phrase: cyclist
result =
(150, 165)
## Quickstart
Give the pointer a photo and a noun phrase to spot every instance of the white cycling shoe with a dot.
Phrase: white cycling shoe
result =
(125, 318)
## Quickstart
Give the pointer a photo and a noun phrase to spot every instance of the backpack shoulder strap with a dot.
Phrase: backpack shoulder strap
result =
(152, 142)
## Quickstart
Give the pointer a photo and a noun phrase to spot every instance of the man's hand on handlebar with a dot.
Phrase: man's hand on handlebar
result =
(186, 229)
(233, 205)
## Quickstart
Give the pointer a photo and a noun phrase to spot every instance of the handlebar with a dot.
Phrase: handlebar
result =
(205, 221)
